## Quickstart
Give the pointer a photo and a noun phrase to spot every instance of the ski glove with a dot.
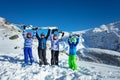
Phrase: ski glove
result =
(63, 34)
(54, 30)
(77, 35)
(24, 27)
(35, 28)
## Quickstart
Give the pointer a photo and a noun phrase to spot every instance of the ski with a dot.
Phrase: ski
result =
(39, 28)
(31, 27)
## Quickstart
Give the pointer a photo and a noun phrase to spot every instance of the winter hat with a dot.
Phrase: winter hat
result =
(73, 40)
(55, 34)
(28, 33)
(42, 34)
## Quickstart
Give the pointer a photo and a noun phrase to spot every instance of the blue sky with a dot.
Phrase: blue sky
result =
(68, 15)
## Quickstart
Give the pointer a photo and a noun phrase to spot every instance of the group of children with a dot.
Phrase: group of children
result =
(42, 39)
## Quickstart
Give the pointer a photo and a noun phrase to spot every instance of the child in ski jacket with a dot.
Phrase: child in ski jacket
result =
(73, 42)
(55, 47)
(42, 47)
(28, 39)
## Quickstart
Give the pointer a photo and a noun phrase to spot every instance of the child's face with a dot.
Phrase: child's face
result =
(42, 36)
(55, 37)
(28, 36)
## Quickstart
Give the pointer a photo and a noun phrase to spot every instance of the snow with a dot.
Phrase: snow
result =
(2, 20)
(105, 37)
(101, 56)
(11, 61)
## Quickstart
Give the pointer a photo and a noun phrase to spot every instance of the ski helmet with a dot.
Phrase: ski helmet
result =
(73, 40)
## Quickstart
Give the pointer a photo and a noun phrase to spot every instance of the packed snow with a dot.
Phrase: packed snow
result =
(11, 61)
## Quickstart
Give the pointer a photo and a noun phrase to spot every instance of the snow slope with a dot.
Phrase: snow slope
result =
(11, 60)
(97, 55)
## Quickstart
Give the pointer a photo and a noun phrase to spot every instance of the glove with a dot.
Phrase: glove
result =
(24, 27)
(78, 35)
(49, 29)
(35, 28)
(55, 30)
(60, 31)
(63, 34)
(70, 36)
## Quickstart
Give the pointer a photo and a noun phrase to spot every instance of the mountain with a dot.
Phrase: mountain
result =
(11, 58)
(105, 37)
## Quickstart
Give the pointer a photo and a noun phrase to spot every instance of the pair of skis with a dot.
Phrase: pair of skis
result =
(30, 27)
(40, 28)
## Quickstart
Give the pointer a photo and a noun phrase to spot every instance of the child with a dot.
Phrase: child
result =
(72, 41)
(28, 39)
(55, 47)
(42, 47)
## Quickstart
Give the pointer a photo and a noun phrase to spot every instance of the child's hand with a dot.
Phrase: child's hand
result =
(78, 35)
(54, 30)
(24, 27)
(35, 28)
(63, 34)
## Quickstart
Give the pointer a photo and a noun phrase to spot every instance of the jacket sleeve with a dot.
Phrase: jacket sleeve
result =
(77, 42)
(37, 36)
(48, 34)
(34, 35)
(24, 34)
(60, 40)
(69, 42)
(51, 37)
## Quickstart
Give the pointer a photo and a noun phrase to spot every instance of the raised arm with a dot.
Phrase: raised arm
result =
(37, 35)
(48, 34)
(77, 41)
(61, 36)
(34, 35)
(24, 34)
(69, 41)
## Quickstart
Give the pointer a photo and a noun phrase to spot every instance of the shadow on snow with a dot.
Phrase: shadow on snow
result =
(11, 59)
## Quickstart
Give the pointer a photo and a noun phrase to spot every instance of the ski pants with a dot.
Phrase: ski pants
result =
(28, 54)
(72, 62)
(54, 57)
(42, 56)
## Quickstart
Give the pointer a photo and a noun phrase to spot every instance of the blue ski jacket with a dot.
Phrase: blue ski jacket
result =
(28, 41)
(42, 41)
(72, 49)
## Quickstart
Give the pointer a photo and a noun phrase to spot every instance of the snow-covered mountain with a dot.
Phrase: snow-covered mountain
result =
(105, 37)
(11, 56)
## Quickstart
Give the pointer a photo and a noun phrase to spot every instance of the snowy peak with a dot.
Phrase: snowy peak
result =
(105, 37)
(109, 27)
(115, 24)
(5, 25)
(2, 20)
